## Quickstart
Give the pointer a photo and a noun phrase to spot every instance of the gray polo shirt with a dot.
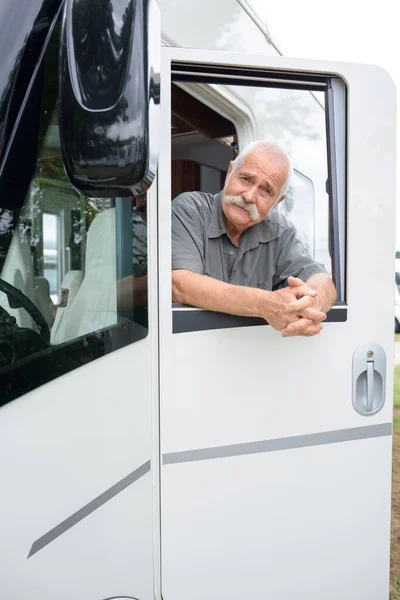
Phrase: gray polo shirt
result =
(268, 252)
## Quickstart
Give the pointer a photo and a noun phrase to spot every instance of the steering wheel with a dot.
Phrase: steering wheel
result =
(17, 299)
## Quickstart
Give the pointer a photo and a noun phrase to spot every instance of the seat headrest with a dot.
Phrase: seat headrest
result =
(100, 263)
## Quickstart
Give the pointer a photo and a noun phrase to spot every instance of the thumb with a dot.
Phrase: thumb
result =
(295, 281)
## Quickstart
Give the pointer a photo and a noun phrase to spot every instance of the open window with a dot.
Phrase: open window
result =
(303, 113)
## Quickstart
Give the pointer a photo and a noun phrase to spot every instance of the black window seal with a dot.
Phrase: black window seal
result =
(338, 260)
(187, 319)
(33, 371)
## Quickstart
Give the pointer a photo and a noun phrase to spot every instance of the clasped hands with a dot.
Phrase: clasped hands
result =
(297, 310)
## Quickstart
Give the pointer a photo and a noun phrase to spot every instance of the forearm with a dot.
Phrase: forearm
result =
(208, 293)
(323, 284)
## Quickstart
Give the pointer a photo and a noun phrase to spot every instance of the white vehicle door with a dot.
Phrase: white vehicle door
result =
(275, 453)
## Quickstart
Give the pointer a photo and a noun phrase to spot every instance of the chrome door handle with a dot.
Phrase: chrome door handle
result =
(370, 386)
(369, 379)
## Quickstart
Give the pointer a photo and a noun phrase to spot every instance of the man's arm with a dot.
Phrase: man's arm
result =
(326, 291)
(208, 293)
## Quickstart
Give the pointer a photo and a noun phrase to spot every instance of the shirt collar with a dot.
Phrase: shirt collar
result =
(263, 232)
(216, 227)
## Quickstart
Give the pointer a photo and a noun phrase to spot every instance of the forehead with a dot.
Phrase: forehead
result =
(266, 164)
(266, 160)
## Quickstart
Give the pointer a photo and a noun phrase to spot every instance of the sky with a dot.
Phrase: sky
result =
(344, 30)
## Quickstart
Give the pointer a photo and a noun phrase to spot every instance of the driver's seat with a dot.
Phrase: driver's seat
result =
(69, 288)
(95, 305)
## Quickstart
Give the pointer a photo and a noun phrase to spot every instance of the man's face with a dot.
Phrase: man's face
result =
(252, 190)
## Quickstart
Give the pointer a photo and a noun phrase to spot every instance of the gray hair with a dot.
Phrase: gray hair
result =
(266, 147)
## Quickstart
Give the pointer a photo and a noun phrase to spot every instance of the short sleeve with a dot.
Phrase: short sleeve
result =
(294, 260)
(187, 234)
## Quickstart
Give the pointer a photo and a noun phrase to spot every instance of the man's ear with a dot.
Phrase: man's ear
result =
(228, 173)
(281, 199)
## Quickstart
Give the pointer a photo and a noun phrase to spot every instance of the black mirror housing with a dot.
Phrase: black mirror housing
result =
(109, 95)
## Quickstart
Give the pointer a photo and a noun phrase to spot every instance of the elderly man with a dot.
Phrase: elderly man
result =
(231, 253)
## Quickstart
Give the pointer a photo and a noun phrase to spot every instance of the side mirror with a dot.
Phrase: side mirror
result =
(109, 95)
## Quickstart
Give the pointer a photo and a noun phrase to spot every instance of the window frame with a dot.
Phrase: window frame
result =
(191, 70)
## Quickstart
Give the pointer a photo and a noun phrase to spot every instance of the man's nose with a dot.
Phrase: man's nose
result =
(250, 194)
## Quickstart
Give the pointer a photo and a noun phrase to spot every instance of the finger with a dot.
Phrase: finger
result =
(301, 286)
(312, 314)
(303, 290)
(290, 329)
(301, 326)
(298, 305)
(307, 312)
(309, 331)
(295, 281)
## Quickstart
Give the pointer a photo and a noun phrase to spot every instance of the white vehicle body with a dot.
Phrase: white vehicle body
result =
(397, 298)
(214, 459)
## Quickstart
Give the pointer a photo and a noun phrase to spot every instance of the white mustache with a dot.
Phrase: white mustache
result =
(251, 208)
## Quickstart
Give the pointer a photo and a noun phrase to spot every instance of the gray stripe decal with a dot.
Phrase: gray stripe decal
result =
(62, 527)
(289, 443)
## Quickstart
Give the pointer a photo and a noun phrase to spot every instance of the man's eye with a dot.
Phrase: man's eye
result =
(244, 178)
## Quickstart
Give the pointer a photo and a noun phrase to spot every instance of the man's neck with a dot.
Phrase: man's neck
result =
(233, 232)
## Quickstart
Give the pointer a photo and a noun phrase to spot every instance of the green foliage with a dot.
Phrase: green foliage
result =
(51, 167)
(396, 390)
(396, 422)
